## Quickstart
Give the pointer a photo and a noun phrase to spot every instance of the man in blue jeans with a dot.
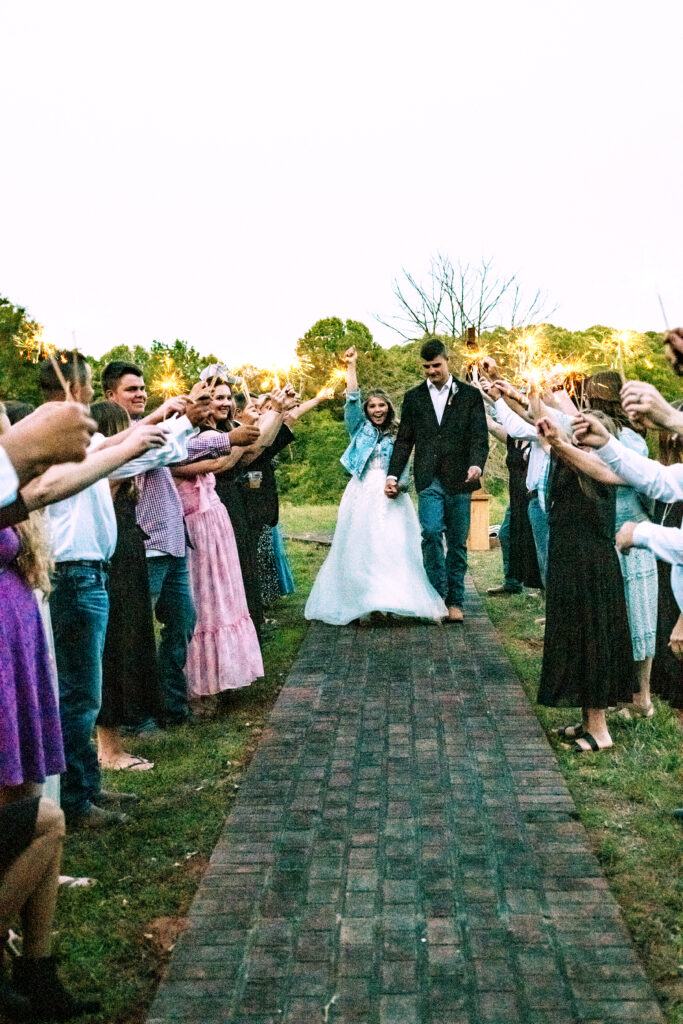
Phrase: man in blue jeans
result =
(83, 535)
(444, 420)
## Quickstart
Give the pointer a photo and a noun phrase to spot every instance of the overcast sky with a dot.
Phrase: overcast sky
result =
(228, 173)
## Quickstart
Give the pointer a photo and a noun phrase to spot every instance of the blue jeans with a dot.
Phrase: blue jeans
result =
(169, 588)
(539, 527)
(509, 582)
(79, 608)
(445, 514)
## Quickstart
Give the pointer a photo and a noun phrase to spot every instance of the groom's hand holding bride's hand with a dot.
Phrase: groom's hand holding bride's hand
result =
(391, 487)
(473, 474)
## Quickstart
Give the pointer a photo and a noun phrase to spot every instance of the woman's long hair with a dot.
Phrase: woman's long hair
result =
(391, 421)
(34, 561)
(111, 418)
(603, 391)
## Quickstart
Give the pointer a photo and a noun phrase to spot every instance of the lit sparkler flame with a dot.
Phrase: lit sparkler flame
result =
(336, 377)
(35, 348)
(170, 381)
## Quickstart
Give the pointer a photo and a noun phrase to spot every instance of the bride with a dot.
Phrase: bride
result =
(375, 562)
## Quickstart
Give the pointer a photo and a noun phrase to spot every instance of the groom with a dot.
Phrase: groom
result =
(444, 420)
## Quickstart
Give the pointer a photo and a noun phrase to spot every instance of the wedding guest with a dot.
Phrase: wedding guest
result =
(587, 655)
(443, 419)
(31, 839)
(520, 561)
(224, 652)
(667, 670)
(640, 570)
(130, 686)
(83, 532)
(662, 483)
(230, 489)
(159, 514)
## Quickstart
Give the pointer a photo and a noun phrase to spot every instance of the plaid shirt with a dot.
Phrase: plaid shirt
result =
(159, 511)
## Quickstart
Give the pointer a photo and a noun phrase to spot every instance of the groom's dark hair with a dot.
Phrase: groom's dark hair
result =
(432, 349)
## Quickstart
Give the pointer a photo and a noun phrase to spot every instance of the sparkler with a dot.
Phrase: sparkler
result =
(35, 348)
(170, 381)
(336, 377)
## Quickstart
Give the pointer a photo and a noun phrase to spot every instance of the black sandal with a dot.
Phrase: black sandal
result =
(569, 732)
(576, 748)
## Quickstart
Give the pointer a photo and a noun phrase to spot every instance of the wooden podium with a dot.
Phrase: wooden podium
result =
(478, 537)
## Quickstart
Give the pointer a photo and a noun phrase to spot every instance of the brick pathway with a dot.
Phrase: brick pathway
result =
(404, 850)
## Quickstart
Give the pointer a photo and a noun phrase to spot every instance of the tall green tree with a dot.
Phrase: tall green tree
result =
(325, 342)
(18, 333)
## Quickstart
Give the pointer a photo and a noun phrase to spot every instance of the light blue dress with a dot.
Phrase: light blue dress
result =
(375, 562)
(639, 566)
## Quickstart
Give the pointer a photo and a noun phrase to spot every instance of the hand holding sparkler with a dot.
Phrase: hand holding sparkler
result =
(645, 407)
(56, 432)
(350, 356)
(548, 430)
(245, 434)
(171, 407)
(589, 431)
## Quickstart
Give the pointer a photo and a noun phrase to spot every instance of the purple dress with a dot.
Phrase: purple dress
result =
(30, 734)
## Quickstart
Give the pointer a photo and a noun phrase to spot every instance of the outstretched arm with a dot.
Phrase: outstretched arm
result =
(664, 483)
(581, 461)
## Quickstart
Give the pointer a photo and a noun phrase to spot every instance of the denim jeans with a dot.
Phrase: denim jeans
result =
(445, 514)
(539, 527)
(169, 587)
(79, 608)
(509, 582)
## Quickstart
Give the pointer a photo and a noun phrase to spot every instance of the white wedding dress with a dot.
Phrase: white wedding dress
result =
(375, 562)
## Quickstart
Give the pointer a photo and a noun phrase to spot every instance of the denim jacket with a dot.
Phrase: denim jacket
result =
(364, 437)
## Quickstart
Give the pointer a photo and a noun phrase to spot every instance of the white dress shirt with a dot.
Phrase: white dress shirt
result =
(665, 483)
(83, 527)
(9, 481)
(439, 396)
(539, 459)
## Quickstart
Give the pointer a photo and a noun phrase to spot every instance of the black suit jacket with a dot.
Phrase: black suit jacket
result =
(443, 451)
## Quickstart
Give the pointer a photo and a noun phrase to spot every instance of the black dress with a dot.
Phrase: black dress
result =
(667, 671)
(263, 511)
(523, 564)
(130, 684)
(587, 656)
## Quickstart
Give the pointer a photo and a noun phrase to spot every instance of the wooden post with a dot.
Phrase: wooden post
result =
(478, 538)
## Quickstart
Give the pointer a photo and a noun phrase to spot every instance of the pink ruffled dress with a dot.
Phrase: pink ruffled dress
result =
(224, 653)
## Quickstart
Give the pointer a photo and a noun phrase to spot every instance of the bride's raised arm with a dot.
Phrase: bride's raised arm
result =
(350, 357)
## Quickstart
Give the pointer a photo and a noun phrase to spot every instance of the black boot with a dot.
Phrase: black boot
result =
(12, 1004)
(37, 980)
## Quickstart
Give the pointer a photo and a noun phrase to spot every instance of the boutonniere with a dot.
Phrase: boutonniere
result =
(452, 393)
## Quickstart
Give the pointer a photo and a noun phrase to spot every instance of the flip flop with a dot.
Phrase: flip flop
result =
(569, 732)
(69, 882)
(593, 744)
(135, 764)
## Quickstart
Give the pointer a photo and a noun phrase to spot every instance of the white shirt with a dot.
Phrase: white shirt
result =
(539, 459)
(439, 396)
(9, 481)
(83, 527)
(179, 431)
(664, 483)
